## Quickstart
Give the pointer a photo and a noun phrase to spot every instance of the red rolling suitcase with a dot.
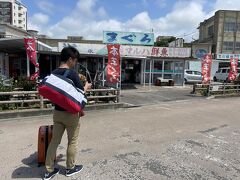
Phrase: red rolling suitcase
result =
(44, 138)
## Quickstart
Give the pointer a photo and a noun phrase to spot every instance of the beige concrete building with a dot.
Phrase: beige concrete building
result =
(70, 39)
(159, 38)
(10, 31)
(222, 31)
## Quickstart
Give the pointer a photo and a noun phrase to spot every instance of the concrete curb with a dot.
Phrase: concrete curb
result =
(42, 112)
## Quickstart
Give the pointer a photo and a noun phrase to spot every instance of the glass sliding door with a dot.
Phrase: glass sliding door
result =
(178, 72)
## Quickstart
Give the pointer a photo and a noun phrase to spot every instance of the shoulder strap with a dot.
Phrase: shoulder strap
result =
(65, 75)
(66, 72)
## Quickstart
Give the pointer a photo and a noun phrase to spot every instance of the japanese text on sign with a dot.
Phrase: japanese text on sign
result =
(115, 37)
(113, 68)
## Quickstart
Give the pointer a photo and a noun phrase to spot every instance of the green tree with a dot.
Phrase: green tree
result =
(164, 42)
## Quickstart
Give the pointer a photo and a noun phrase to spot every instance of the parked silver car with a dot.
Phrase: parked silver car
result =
(192, 76)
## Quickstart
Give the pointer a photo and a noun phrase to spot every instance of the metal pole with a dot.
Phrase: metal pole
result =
(184, 64)
(141, 72)
(36, 69)
(37, 56)
(144, 72)
(103, 67)
(150, 75)
(152, 71)
(51, 68)
(163, 64)
(120, 85)
(28, 67)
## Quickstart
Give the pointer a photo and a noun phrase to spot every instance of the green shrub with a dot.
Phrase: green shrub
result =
(4, 88)
(7, 107)
(26, 84)
(237, 81)
(203, 91)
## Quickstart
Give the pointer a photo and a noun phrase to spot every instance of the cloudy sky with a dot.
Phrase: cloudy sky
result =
(88, 18)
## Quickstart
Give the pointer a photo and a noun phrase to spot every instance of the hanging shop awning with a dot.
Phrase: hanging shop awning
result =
(16, 45)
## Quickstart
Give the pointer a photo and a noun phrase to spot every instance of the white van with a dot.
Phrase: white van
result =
(222, 74)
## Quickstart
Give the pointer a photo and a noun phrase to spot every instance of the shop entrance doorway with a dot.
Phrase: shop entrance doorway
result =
(131, 71)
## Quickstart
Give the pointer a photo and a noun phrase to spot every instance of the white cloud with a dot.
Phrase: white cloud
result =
(102, 12)
(38, 21)
(39, 18)
(45, 6)
(184, 18)
(89, 20)
(227, 5)
(141, 22)
(85, 7)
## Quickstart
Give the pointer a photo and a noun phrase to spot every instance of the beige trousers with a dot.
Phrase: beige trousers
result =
(63, 120)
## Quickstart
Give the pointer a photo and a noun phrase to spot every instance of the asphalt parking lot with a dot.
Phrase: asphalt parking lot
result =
(157, 95)
(194, 139)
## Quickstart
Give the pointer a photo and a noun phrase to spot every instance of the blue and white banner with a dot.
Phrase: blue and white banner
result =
(227, 56)
(116, 37)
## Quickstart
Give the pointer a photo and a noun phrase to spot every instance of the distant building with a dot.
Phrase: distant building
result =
(10, 31)
(177, 43)
(220, 36)
(159, 38)
(222, 31)
(70, 39)
(13, 12)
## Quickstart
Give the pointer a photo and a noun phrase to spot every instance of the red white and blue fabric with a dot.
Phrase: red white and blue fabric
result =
(61, 91)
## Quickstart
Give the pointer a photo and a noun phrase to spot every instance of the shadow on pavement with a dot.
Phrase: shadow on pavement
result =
(128, 86)
(32, 170)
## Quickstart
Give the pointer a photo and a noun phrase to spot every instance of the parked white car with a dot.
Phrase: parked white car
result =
(222, 74)
(192, 76)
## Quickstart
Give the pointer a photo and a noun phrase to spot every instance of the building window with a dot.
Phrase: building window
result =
(5, 12)
(224, 70)
(7, 19)
(5, 5)
(229, 27)
(157, 66)
(228, 46)
(238, 27)
(210, 31)
(237, 48)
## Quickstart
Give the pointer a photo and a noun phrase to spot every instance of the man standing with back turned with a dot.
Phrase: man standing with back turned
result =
(63, 120)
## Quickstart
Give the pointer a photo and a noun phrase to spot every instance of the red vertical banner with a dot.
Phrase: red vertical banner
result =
(206, 68)
(233, 73)
(113, 67)
(30, 46)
